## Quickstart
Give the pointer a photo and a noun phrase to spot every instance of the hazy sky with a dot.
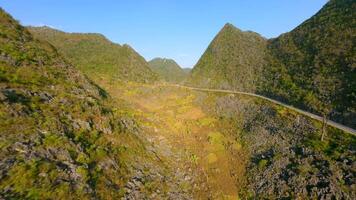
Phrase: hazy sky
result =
(178, 29)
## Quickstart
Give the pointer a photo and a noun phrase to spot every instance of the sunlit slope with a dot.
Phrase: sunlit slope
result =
(95, 55)
(168, 70)
(60, 136)
(311, 67)
(234, 59)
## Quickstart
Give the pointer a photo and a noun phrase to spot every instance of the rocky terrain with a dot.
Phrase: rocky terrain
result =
(61, 135)
(124, 136)
(219, 137)
(290, 162)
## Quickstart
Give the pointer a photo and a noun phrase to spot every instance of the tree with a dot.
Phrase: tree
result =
(326, 90)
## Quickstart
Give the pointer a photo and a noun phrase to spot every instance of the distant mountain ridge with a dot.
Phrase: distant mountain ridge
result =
(312, 67)
(168, 69)
(95, 55)
(187, 70)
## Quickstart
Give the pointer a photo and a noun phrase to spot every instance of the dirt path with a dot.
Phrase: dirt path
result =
(192, 142)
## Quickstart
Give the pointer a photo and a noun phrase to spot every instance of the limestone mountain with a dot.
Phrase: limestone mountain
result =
(60, 136)
(96, 55)
(234, 59)
(168, 69)
(312, 67)
(64, 137)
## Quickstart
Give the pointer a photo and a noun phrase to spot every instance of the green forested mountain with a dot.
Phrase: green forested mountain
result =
(95, 55)
(64, 137)
(312, 67)
(234, 59)
(168, 70)
(60, 137)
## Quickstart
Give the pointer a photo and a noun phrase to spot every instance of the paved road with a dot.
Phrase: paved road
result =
(311, 115)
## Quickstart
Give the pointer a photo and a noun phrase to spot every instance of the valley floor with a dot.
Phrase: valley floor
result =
(226, 147)
(208, 162)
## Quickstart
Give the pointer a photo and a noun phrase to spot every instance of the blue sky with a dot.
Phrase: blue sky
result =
(178, 29)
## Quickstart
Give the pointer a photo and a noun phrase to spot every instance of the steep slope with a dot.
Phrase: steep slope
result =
(311, 67)
(234, 59)
(60, 136)
(95, 55)
(168, 70)
(315, 63)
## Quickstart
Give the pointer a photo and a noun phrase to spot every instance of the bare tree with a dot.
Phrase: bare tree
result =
(326, 90)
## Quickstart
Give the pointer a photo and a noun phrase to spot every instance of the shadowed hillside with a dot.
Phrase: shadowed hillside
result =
(312, 67)
(168, 70)
(95, 55)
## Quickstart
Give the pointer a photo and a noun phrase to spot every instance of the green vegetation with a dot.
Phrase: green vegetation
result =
(207, 121)
(194, 158)
(96, 56)
(168, 70)
(234, 59)
(60, 137)
(315, 63)
(335, 146)
(64, 137)
(262, 164)
(285, 154)
(311, 67)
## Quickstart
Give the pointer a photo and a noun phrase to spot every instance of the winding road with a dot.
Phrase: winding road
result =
(311, 115)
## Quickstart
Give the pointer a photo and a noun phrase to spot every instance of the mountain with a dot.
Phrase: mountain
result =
(64, 137)
(60, 136)
(187, 70)
(96, 55)
(233, 60)
(315, 63)
(168, 69)
(311, 67)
